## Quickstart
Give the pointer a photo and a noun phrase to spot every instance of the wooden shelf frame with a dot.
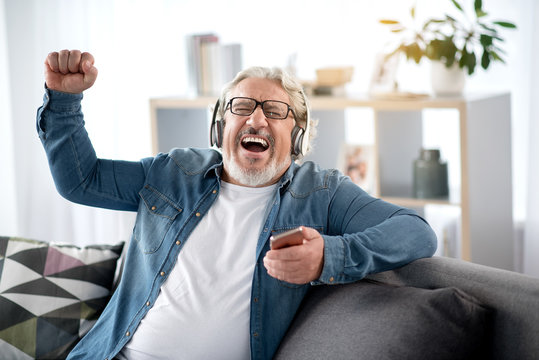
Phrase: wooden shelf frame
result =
(485, 193)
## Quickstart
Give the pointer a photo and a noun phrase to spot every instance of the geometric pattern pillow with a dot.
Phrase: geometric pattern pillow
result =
(51, 295)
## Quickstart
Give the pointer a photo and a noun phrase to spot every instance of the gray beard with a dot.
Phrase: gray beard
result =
(253, 177)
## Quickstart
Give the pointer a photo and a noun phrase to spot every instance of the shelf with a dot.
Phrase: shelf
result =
(417, 203)
(484, 194)
(185, 103)
(407, 200)
(339, 103)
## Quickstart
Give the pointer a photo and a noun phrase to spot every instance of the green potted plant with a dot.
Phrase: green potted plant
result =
(453, 42)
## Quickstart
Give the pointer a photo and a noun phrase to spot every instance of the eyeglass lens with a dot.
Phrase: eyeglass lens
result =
(273, 109)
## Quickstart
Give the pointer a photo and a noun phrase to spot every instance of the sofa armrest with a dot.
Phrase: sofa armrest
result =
(513, 296)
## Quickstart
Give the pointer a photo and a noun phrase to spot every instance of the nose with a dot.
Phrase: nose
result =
(257, 119)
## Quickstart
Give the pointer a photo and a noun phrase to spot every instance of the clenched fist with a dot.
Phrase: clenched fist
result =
(70, 71)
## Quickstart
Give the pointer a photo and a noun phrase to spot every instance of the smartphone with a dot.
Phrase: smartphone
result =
(286, 239)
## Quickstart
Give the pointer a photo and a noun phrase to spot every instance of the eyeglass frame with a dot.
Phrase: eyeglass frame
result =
(261, 103)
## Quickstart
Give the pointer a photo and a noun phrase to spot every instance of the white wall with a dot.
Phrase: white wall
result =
(531, 239)
(140, 53)
(8, 212)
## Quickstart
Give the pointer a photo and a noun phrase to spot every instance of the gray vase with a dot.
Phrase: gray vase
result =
(430, 175)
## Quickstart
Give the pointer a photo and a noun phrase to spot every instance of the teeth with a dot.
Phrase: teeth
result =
(261, 141)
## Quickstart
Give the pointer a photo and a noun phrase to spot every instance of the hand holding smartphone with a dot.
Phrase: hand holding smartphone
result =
(286, 239)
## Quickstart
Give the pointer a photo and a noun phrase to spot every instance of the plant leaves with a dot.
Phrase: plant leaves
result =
(488, 28)
(438, 38)
(432, 50)
(505, 24)
(485, 59)
(389, 22)
(413, 51)
(478, 5)
(394, 52)
(496, 57)
(463, 58)
(471, 61)
(497, 49)
(457, 5)
(485, 40)
(480, 13)
(443, 50)
(468, 60)
(432, 22)
(448, 49)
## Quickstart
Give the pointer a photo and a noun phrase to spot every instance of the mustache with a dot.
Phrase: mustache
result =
(250, 131)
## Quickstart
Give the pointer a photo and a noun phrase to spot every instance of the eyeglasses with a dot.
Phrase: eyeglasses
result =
(273, 109)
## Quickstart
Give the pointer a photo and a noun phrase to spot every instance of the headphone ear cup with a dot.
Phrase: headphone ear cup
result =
(301, 136)
(219, 128)
(216, 129)
(216, 136)
(297, 140)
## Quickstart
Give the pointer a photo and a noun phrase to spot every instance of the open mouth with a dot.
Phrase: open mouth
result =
(254, 144)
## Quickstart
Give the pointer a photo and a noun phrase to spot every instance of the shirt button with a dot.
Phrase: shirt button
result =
(178, 242)
(255, 299)
(127, 333)
(197, 214)
(331, 279)
(147, 303)
(214, 191)
(153, 208)
(255, 334)
(162, 273)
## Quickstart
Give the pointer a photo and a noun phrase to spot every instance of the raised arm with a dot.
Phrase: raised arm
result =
(78, 174)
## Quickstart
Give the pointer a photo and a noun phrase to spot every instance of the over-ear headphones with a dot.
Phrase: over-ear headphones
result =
(217, 128)
(300, 136)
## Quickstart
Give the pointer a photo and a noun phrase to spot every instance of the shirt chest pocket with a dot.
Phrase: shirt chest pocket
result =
(155, 216)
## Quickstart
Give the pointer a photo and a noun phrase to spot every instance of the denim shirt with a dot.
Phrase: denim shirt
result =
(172, 192)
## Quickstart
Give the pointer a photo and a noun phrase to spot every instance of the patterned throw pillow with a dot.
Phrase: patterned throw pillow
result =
(51, 295)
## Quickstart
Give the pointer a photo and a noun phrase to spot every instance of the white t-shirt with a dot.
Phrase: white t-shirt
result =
(203, 309)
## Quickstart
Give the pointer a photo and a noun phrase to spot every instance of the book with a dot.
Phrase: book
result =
(194, 59)
(210, 64)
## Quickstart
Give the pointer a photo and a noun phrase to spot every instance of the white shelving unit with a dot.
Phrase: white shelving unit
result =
(484, 195)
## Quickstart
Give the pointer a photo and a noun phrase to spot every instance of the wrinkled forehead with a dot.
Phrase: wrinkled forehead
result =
(260, 89)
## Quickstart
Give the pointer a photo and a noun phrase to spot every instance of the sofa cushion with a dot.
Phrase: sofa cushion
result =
(370, 320)
(51, 295)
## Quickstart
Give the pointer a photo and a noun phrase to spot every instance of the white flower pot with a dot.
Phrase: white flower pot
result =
(447, 81)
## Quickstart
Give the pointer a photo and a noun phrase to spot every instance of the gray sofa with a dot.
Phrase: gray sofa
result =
(434, 308)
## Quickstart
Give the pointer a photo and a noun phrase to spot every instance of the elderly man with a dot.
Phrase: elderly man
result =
(200, 280)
